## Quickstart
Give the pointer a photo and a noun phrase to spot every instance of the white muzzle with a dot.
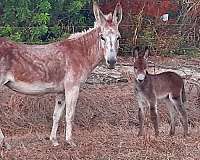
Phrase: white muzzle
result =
(140, 77)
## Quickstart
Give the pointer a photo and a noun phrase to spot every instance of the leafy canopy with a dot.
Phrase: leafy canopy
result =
(39, 21)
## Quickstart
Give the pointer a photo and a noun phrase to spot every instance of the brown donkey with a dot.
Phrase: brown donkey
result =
(62, 66)
(168, 86)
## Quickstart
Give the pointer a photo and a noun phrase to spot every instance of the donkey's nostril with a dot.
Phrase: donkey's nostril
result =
(111, 61)
(140, 81)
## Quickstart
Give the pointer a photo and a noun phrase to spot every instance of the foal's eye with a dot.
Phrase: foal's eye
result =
(102, 38)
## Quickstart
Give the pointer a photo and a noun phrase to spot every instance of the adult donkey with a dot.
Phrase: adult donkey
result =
(62, 66)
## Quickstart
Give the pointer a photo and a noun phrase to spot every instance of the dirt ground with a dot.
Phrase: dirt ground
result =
(105, 124)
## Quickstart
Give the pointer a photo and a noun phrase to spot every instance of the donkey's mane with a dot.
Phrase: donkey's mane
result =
(80, 34)
(96, 25)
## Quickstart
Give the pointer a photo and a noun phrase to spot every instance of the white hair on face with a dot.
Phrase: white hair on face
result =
(141, 77)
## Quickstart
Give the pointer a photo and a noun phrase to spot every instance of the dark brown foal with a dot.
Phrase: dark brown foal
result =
(168, 86)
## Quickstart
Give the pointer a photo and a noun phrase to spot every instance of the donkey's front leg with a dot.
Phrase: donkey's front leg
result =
(154, 115)
(141, 118)
(59, 107)
(141, 102)
(71, 96)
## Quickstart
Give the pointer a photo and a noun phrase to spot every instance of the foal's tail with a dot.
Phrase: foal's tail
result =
(183, 95)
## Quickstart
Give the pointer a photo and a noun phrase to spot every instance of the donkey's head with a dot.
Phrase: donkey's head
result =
(109, 33)
(140, 63)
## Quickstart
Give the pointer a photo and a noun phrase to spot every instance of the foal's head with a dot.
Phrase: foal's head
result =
(109, 32)
(140, 63)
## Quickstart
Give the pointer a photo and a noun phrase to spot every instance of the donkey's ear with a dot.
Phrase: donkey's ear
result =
(102, 18)
(117, 15)
(146, 52)
(136, 52)
(96, 10)
(99, 16)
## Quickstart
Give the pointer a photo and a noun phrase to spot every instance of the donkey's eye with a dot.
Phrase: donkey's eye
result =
(118, 38)
(102, 38)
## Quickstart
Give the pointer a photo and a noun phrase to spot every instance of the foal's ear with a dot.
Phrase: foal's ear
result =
(136, 52)
(117, 15)
(146, 52)
(99, 16)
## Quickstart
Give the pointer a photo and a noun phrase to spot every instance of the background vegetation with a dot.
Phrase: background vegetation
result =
(36, 21)
(43, 21)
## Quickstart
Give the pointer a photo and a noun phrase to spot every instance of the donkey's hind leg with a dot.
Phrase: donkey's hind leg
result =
(59, 107)
(172, 113)
(182, 110)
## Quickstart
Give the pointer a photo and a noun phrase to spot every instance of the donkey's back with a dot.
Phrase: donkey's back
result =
(167, 84)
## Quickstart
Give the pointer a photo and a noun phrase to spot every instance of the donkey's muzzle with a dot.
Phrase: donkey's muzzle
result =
(140, 81)
(111, 63)
(140, 78)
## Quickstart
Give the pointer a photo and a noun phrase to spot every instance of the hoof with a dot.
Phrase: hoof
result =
(140, 134)
(186, 134)
(157, 134)
(6, 145)
(71, 143)
(54, 142)
(171, 134)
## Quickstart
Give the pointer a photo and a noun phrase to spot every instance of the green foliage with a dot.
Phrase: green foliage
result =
(37, 21)
(188, 52)
(74, 9)
(147, 37)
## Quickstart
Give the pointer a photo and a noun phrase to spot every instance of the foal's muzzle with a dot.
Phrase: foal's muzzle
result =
(140, 78)
(140, 81)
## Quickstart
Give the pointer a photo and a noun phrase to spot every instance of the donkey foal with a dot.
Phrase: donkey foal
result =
(168, 86)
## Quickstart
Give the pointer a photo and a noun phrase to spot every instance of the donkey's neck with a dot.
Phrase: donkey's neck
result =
(92, 50)
(95, 49)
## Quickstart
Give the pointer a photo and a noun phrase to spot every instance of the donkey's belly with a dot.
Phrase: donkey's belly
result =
(35, 88)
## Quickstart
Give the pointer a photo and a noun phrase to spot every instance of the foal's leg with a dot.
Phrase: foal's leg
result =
(71, 96)
(172, 113)
(141, 116)
(153, 114)
(182, 110)
(59, 107)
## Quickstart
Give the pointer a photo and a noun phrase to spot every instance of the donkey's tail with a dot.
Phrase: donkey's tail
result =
(183, 95)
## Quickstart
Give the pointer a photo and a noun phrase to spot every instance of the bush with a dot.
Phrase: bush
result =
(38, 21)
